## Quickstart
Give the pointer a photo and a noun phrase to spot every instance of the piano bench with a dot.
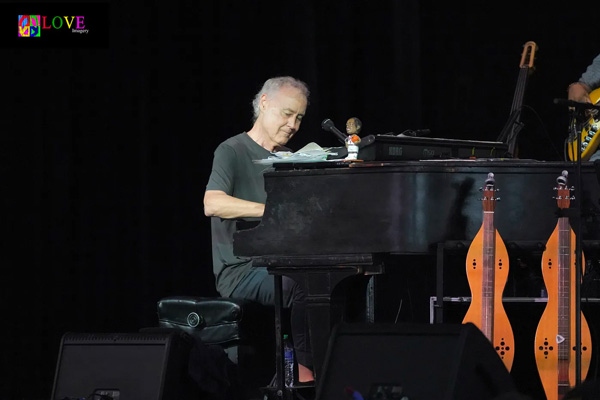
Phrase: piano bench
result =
(228, 322)
(243, 328)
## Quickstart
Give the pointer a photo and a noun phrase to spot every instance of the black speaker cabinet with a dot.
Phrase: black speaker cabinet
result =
(123, 366)
(412, 361)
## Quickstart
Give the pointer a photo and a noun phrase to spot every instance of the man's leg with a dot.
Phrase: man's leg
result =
(259, 286)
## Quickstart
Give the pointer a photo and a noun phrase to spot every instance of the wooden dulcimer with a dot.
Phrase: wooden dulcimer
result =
(487, 272)
(555, 350)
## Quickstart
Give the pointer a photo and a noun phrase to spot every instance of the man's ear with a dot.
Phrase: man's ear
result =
(262, 104)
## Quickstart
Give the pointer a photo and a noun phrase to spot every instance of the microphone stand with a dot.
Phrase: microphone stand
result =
(578, 257)
(574, 107)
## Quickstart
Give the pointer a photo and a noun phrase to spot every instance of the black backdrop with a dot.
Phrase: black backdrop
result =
(106, 152)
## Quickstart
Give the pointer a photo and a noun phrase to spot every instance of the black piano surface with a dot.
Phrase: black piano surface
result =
(326, 222)
(408, 207)
(391, 147)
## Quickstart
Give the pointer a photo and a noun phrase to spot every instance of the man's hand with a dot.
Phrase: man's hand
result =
(580, 92)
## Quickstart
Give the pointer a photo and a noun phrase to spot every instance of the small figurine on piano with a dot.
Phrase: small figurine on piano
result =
(353, 127)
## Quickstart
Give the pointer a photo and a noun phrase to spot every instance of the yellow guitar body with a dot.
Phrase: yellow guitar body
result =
(590, 139)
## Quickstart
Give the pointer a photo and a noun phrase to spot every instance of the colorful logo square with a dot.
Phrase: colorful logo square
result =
(29, 26)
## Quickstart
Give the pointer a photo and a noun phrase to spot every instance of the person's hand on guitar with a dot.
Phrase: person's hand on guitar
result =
(579, 91)
(586, 123)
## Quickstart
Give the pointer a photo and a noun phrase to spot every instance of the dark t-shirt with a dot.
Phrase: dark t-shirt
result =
(234, 173)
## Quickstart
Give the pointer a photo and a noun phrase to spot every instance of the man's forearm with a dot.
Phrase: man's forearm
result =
(220, 204)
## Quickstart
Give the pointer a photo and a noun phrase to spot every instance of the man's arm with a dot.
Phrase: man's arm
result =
(219, 204)
(591, 76)
(590, 80)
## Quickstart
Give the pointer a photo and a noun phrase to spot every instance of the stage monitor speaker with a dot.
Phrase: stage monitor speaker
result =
(123, 366)
(413, 362)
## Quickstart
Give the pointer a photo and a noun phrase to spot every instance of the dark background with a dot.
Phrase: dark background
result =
(106, 151)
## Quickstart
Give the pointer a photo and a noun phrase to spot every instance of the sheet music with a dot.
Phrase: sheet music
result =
(312, 152)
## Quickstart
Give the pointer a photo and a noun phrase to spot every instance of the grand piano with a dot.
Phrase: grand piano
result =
(326, 222)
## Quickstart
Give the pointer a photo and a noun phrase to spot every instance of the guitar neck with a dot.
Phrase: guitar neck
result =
(564, 287)
(488, 276)
(520, 90)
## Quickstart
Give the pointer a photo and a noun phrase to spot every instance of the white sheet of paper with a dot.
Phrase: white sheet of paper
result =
(312, 152)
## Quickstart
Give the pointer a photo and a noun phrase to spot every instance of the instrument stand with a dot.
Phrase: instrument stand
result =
(575, 107)
(578, 267)
(462, 246)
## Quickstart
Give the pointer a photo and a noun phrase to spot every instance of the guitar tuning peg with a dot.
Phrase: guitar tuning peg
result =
(497, 198)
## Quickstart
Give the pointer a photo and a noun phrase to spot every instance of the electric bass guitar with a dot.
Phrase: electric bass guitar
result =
(513, 125)
(589, 138)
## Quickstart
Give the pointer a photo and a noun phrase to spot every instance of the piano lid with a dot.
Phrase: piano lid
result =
(408, 207)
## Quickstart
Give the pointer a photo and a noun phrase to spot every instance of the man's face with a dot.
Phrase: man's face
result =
(282, 114)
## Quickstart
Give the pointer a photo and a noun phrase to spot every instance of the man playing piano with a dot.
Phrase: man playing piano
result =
(235, 190)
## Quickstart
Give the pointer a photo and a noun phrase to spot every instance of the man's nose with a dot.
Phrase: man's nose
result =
(293, 123)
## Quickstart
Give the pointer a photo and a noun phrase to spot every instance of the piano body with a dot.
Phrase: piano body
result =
(327, 221)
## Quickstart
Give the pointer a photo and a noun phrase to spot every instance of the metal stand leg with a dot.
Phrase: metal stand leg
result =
(439, 306)
(279, 367)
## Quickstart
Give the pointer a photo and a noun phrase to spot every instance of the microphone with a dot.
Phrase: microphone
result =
(367, 140)
(328, 125)
(576, 104)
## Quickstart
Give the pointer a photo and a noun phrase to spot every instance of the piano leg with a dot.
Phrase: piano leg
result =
(318, 284)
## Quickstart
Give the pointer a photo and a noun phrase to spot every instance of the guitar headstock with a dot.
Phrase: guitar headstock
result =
(563, 193)
(528, 56)
(489, 194)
